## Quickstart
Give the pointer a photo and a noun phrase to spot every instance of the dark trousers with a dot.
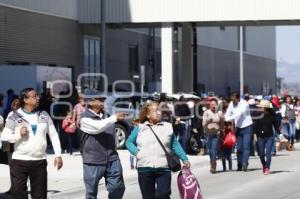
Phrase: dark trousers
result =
(226, 155)
(70, 140)
(36, 171)
(155, 185)
(182, 131)
(265, 149)
(61, 135)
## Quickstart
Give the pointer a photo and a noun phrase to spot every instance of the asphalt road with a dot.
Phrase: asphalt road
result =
(282, 183)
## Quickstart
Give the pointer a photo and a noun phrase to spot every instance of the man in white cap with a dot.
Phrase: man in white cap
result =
(98, 148)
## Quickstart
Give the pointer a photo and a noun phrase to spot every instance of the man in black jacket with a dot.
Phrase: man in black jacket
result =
(182, 121)
(100, 158)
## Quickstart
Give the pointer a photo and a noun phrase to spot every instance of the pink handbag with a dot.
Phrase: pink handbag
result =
(68, 125)
(188, 185)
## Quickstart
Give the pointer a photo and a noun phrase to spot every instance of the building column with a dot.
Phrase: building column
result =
(167, 58)
(187, 58)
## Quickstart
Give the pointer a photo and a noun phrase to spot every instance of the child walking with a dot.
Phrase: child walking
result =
(228, 142)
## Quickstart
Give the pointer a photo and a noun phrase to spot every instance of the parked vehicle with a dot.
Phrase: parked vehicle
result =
(131, 104)
(128, 103)
(194, 139)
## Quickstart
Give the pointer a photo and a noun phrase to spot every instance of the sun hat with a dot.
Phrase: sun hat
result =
(265, 104)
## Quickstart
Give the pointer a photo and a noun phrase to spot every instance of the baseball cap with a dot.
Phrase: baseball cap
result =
(90, 95)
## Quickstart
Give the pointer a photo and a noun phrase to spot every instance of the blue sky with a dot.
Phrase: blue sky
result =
(288, 53)
(288, 44)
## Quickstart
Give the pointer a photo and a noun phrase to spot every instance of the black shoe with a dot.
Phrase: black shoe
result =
(239, 167)
(273, 154)
(8, 192)
(245, 168)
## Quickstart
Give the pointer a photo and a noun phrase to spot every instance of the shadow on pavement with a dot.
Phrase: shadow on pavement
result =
(8, 196)
(230, 171)
(275, 172)
(253, 169)
(280, 155)
(53, 191)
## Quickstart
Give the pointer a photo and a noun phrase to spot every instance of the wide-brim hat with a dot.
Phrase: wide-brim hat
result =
(265, 104)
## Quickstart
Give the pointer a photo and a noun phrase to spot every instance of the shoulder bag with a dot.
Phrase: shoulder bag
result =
(172, 159)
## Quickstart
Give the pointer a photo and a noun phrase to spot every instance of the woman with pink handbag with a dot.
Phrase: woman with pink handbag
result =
(148, 142)
(69, 127)
(188, 185)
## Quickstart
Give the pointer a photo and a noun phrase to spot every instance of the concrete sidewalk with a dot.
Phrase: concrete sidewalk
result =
(68, 182)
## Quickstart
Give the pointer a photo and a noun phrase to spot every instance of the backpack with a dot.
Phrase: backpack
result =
(188, 185)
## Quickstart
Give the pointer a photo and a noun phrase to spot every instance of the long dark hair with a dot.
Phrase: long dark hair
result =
(23, 95)
(287, 96)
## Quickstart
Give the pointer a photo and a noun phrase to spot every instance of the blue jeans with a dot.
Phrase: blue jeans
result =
(265, 148)
(155, 185)
(244, 137)
(113, 174)
(289, 129)
(274, 144)
(212, 143)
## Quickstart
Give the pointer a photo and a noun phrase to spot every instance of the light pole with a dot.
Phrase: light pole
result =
(142, 79)
(241, 61)
(103, 36)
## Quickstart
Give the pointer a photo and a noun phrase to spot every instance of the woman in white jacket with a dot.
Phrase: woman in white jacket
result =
(27, 128)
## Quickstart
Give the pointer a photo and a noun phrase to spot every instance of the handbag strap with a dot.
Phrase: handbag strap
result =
(162, 146)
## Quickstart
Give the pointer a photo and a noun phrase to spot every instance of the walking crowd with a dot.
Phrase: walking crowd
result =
(213, 125)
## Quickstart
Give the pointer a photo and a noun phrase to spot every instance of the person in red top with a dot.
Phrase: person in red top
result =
(78, 110)
(69, 127)
(226, 148)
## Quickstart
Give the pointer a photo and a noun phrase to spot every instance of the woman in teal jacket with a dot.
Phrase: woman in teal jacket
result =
(154, 176)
